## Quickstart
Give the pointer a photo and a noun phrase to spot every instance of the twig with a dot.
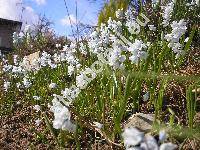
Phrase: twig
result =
(88, 125)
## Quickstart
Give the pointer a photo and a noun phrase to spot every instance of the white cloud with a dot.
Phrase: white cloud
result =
(66, 20)
(29, 16)
(16, 10)
(10, 9)
(40, 2)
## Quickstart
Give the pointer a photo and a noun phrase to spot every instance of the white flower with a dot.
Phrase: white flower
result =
(197, 2)
(168, 146)
(149, 143)
(155, 1)
(56, 58)
(26, 82)
(167, 13)
(15, 59)
(61, 116)
(36, 98)
(162, 136)
(63, 57)
(52, 65)
(52, 85)
(58, 45)
(148, 44)
(135, 140)
(72, 46)
(98, 125)
(6, 85)
(115, 57)
(68, 125)
(136, 50)
(119, 13)
(7, 68)
(18, 85)
(152, 27)
(190, 4)
(178, 30)
(146, 96)
(37, 122)
(70, 93)
(138, 55)
(83, 80)
(134, 148)
(136, 46)
(16, 38)
(115, 26)
(18, 102)
(70, 69)
(36, 107)
(186, 40)
(133, 27)
(65, 48)
(27, 29)
(78, 66)
(49, 105)
(83, 49)
(132, 137)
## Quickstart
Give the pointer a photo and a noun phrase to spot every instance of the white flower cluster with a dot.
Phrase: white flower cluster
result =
(16, 38)
(129, 14)
(6, 85)
(36, 108)
(102, 42)
(193, 3)
(36, 97)
(21, 68)
(26, 82)
(137, 52)
(133, 27)
(83, 48)
(167, 13)
(155, 2)
(136, 140)
(119, 14)
(99, 40)
(116, 58)
(197, 2)
(52, 86)
(82, 80)
(61, 116)
(107, 37)
(152, 27)
(114, 26)
(37, 122)
(178, 30)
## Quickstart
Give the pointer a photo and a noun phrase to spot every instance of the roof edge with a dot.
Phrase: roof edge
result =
(10, 21)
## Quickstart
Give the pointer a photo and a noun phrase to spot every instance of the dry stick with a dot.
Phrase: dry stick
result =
(69, 18)
(88, 125)
(77, 39)
(182, 144)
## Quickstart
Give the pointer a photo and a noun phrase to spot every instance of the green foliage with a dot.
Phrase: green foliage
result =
(114, 95)
(110, 8)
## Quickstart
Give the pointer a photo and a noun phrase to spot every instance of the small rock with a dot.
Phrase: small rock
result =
(141, 121)
(196, 90)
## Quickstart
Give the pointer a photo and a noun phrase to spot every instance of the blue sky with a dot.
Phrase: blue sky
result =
(55, 10)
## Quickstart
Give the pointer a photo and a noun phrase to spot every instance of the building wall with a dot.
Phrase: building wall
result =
(6, 33)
